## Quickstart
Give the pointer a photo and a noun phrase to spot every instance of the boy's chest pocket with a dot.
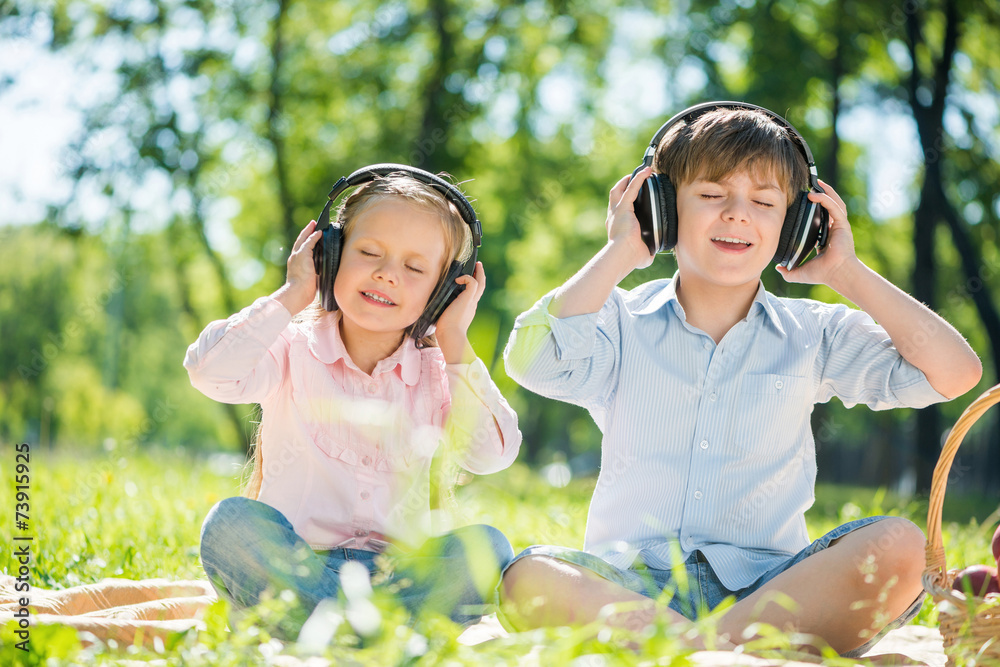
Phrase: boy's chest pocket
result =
(769, 412)
(770, 384)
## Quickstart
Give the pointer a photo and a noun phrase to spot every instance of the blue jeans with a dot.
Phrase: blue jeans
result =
(697, 590)
(248, 547)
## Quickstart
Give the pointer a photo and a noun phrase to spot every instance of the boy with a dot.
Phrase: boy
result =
(703, 386)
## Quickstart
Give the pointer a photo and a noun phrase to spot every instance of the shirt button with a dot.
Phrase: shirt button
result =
(708, 346)
(372, 388)
(778, 384)
(367, 461)
(697, 495)
(364, 495)
(703, 444)
(360, 532)
(711, 396)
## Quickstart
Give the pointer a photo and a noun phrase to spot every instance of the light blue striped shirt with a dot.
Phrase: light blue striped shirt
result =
(709, 445)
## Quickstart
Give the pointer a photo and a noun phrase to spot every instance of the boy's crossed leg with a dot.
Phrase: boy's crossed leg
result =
(861, 583)
(845, 594)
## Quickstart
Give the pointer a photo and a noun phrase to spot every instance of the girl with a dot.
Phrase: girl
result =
(353, 409)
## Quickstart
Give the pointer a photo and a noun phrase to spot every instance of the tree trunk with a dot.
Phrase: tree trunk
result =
(933, 207)
(433, 129)
(276, 127)
(831, 170)
(924, 274)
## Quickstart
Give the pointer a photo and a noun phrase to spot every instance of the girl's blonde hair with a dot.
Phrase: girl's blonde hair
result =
(458, 248)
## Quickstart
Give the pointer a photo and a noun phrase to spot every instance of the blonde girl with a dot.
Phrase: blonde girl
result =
(354, 405)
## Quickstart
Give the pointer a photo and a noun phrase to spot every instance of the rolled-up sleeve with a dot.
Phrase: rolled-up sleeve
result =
(573, 359)
(481, 429)
(862, 365)
(241, 359)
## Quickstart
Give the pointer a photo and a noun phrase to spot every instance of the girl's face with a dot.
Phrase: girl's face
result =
(390, 264)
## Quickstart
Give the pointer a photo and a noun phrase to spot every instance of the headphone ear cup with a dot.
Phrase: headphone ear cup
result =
(791, 228)
(668, 211)
(645, 205)
(332, 244)
(656, 210)
(439, 301)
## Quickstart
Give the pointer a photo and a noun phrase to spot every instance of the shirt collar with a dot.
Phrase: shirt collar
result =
(668, 295)
(660, 298)
(327, 346)
(766, 299)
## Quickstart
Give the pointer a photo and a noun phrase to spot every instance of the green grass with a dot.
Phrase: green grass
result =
(138, 516)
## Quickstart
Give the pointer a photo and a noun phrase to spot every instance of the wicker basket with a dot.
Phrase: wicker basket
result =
(970, 626)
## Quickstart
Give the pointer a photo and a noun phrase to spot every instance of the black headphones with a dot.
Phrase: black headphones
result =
(806, 223)
(326, 252)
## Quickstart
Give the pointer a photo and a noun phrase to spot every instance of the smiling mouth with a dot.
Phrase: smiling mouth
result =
(731, 241)
(378, 299)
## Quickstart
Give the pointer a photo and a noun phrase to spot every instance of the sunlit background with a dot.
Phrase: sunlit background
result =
(159, 156)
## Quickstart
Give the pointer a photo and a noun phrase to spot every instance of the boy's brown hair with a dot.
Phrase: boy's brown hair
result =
(723, 141)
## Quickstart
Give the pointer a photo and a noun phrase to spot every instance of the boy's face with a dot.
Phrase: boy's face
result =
(728, 231)
(390, 265)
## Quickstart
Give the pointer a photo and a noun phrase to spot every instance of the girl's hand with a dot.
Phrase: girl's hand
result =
(839, 252)
(452, 327)
(299, 289)
(623, 226)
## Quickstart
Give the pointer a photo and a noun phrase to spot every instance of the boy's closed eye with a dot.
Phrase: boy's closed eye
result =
(766, 203)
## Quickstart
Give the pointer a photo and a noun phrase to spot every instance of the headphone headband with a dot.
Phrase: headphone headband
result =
(697, 110)
(806, 222)
(371, 172)
(326, 253)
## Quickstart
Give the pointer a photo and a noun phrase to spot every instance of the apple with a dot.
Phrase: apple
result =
(996, 544)
(977, 579)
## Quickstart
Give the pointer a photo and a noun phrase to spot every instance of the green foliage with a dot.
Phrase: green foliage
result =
(41, 645)
(100, 362)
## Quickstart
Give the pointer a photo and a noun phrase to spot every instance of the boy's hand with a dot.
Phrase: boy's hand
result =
(839, 251)
(299, 289)
(624, 235)
(452, 327)
(625, 251)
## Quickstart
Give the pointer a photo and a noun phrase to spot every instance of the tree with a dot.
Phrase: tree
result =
(927, 93)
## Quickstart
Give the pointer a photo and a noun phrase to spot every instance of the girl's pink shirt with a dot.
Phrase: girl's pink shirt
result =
(347, 455)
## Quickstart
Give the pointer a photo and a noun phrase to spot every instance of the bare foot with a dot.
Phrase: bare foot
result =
(92, 630)
(107, 594)
(157, 610)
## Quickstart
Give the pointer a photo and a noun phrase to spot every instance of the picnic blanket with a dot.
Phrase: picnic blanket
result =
(119, 609)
